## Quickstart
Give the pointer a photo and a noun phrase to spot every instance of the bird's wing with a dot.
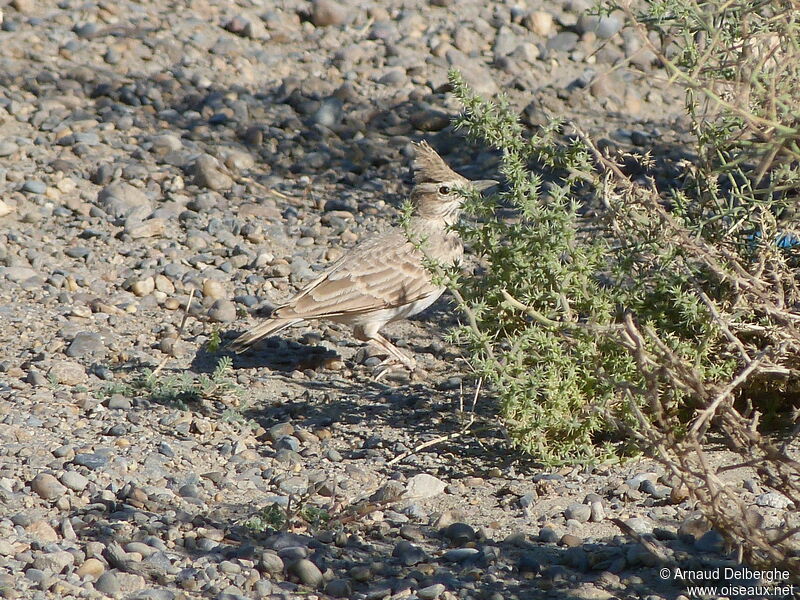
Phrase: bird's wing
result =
(384, 272)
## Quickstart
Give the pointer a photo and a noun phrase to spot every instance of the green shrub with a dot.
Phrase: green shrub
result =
(656, 298)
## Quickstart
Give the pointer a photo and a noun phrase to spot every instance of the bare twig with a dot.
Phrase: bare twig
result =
(442, 438)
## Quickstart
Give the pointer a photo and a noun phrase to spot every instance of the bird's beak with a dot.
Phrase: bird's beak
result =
(483, 184)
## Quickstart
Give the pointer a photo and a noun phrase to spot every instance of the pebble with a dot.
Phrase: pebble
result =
(67, 372)
(222, 311)
(108, 584)
(408, 554)
(74, 481)
(541, 23)
(459, 533)
(603, 27)
(92, 568)
(7, 148)
(431, 592)
(566, 41)
(307, 572)
(47, 486)
(121, 200)
(326, 13)
(773, 500)
(339, 588)
(579, 512)
(34, 186)
(424, 486)
(213, 289)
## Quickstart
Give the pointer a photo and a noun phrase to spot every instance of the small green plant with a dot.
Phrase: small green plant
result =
(272, 516)
(214, 341)
(280, 518)
(183, 389)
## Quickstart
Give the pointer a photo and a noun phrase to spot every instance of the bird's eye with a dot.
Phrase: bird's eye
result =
(444, 190)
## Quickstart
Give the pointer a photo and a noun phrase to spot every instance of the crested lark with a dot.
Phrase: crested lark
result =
(383, 278)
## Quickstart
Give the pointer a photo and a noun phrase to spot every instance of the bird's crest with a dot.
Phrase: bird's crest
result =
(429, 166)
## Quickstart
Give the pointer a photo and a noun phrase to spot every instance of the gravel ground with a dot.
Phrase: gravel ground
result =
(150, 151)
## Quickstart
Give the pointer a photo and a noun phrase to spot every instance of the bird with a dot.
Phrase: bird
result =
(384, 278)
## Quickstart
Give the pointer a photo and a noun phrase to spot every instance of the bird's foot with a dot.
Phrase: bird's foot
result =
(396, 358)
(393, 365)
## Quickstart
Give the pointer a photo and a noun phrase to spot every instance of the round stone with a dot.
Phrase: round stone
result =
(92, 568)
(339, 588)
(222, 311)
(431, 592)
(579, 512)
(108, 583)
(67, 372)
(307, 572)
(47, 486)
(74, 481)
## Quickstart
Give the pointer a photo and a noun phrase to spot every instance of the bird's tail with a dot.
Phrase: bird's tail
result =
(269, 327)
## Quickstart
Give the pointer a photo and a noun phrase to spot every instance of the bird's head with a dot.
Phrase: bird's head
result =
(435, 194)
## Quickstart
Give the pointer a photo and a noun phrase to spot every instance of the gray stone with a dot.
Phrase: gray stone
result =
(222, 311)
(121, 200)
(424, 486)
(603, 27)
(580, 512)
(55, 562)
(339, 588)
(7, 148)
(459, 533)
(773, 500)
(108, 583)
(458, 555)
(47, 486)
(408, 554)
(66, 372)
(307, 572)
(34, 186)
(86, 343)
(325, 13)
(563, 42)
(74, 481)
(208, 174)
(431, 592)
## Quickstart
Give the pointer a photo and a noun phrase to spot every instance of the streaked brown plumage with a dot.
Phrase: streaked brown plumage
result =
(383, 278)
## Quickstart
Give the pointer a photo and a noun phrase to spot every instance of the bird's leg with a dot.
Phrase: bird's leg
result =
(395, 354)
(369, 333)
